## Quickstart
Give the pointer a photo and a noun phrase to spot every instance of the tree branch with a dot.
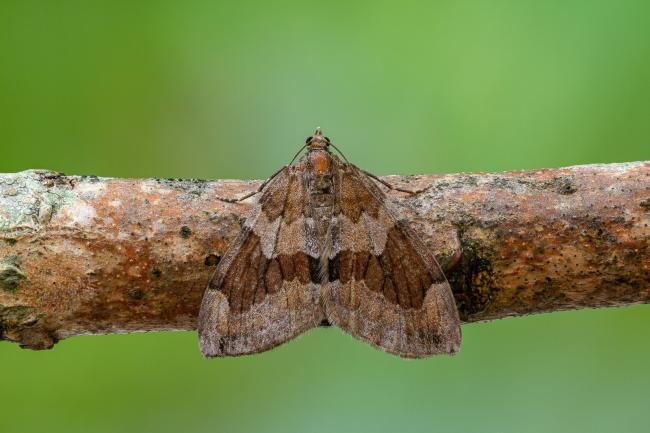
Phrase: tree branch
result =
(88, 255)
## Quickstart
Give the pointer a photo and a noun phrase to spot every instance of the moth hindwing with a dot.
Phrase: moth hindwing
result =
(322, 244)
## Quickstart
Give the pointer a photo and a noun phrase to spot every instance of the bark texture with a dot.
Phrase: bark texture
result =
(87, 255)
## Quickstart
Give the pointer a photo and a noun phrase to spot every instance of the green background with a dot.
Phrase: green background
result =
(230, 90)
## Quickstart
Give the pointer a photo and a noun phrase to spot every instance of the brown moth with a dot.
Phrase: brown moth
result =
(322, 246)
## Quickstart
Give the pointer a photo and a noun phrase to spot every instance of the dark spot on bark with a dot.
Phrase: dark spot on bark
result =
(90, 178)
(53, 178)
(566, 186)
(211, 260)
(622, 280)
(596, 229)
(472, 278)
(188, 186)
(645, 204)
(185, 232)
(10, 241)
(10, 274)
(156, 273)
(136, 294)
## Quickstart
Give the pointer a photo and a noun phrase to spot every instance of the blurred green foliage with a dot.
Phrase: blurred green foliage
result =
(230, 89)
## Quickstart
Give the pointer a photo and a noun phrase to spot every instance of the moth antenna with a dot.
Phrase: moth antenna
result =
(298, 153)
(339, 151)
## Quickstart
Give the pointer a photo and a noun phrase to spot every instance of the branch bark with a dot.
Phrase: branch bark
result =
(87, 255)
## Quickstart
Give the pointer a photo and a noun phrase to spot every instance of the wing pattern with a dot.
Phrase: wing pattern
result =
(262, 293)
(387, 290)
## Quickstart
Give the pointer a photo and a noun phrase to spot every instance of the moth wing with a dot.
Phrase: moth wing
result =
(261, 293)
(385, 288)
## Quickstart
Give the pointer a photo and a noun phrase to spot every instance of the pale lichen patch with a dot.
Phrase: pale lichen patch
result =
(79, 212)
(29, 202)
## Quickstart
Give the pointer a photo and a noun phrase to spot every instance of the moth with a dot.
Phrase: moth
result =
(324, 246)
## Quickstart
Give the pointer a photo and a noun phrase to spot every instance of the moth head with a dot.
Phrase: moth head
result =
(317, 139)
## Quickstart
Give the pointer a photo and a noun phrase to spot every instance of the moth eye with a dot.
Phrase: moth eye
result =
(307, 140)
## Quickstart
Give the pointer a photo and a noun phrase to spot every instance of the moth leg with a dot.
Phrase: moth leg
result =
(391, 187)
(252, 193)
(238, 199)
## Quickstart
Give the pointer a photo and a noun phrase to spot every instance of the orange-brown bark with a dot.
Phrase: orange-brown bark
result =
(87, 255)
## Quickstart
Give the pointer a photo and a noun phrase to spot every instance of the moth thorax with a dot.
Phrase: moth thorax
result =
(320, 161)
